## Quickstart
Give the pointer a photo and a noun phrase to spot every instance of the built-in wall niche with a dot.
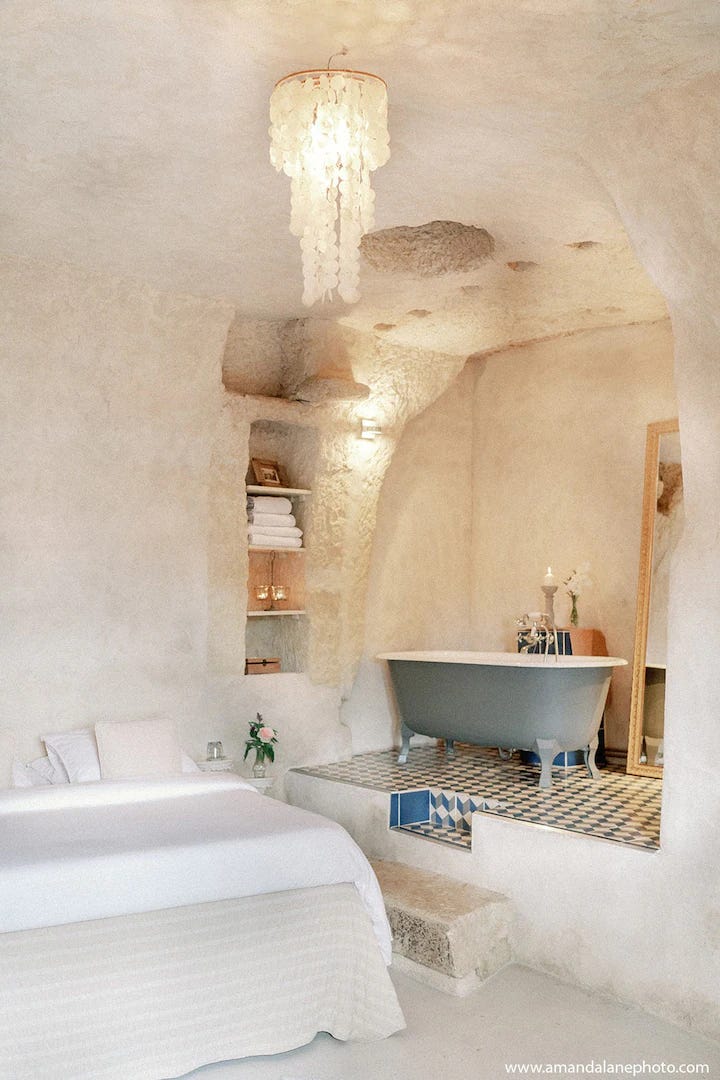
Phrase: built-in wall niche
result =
(293, 446)
(276, 627)
(284, 638)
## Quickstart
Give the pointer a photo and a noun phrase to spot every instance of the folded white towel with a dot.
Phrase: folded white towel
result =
(262, 540)
(269, 504)
(270, 520)
(274, 530)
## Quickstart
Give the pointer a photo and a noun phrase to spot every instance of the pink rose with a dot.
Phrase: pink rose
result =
(265, 734)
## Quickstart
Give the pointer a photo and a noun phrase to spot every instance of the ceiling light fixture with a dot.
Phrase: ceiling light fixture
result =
(328, 132)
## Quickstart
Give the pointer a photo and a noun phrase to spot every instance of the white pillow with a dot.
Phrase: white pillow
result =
(72, 756)
(138, 748)
(43, 771)
(27, 776)
(8, 740)
(75, 754)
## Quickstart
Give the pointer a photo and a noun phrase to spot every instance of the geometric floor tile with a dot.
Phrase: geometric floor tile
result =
(617, 807)
(430, 830)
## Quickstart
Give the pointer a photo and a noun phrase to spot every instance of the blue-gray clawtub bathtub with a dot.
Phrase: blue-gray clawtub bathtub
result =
(521, 701)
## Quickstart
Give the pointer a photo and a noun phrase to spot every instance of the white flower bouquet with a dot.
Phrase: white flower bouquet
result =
(578, 582)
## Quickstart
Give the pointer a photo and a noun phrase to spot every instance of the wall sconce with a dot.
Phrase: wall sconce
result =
(369, 429)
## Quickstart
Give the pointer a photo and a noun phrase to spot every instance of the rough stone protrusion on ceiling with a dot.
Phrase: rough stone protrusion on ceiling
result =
(439, 247)
(317, 367)
(330, 386)
(521, 265)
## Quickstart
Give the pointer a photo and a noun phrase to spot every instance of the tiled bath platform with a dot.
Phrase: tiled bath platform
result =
(435, 796)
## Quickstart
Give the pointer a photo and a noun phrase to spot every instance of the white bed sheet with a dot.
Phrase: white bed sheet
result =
(96, 850)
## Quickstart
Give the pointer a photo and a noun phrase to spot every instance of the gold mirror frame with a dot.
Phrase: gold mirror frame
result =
(649, 509)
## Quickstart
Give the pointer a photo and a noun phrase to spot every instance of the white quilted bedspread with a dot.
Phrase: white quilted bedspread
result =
(75, 852)
(152, 996)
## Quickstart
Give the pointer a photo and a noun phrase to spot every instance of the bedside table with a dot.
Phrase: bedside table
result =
(217, 765)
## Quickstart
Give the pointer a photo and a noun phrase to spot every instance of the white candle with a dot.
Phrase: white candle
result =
(549, 579)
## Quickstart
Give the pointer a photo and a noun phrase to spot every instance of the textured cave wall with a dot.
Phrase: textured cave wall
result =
(646, 928)
(534, 456)
(124, 555)
(639, 926)
(345, 475)
(109, 397)
(672, 221)
(558, 465)
(420, 585)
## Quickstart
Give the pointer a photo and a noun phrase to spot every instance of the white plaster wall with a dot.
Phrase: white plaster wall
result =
(558, 465)
(533, 457)
(419, 585)
(123, 553)
(108, 395)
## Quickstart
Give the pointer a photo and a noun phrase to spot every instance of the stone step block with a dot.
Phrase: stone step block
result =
(446, 933)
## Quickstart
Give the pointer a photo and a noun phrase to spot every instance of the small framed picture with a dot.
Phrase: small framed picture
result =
(267, 473)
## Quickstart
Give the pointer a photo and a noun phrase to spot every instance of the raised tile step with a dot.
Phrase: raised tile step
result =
(448, 934)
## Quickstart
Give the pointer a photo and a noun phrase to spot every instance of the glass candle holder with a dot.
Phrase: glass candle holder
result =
(279, 592)
(215, 751)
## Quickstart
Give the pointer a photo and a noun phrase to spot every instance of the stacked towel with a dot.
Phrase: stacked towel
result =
(265, 530)
(271, 522)
(269, 504)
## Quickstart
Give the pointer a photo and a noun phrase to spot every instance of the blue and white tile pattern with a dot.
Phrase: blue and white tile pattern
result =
(617, 807)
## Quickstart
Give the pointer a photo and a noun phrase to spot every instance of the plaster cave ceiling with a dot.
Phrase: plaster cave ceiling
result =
(135, 142)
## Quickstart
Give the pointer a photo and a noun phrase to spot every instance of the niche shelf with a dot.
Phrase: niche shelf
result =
(269, 631)
(269, 614)
(260, 489)
(285, 551)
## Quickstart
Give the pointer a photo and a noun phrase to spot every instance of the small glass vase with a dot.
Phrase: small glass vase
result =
(258, 769)
(574, 612)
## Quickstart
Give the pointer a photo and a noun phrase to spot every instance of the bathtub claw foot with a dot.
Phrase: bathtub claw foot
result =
(589, 756)
(407, 734)
(546, 750)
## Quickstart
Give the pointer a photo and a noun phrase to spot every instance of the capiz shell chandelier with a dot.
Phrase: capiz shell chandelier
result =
(328, 132)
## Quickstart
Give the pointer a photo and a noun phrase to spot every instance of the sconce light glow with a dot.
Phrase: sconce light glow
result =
(369, 428)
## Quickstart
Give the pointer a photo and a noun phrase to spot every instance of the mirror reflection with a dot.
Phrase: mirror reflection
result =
(661, 530)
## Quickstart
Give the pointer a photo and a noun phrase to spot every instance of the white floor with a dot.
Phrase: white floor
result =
(517, 1017)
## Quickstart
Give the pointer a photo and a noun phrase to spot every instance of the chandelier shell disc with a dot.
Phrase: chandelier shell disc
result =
(328, 133)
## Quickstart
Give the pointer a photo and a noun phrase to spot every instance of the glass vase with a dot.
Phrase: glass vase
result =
(258, 768)
(574, 612)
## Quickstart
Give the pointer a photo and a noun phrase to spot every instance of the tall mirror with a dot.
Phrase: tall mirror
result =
(662, 521)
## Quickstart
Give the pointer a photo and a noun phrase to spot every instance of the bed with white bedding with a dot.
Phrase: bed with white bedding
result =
(149, 927)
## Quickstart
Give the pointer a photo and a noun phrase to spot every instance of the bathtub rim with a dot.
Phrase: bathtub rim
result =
(504, 659)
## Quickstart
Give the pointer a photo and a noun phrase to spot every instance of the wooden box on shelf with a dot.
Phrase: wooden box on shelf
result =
(262, 665)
